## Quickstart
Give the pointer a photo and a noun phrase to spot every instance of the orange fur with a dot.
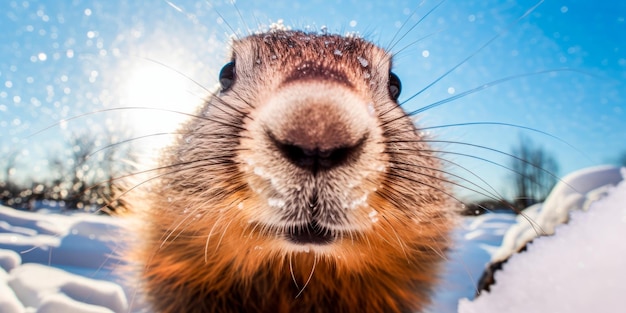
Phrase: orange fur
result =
(389, 269)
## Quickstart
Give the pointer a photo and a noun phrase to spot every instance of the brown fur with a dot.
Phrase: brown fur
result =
(210, 241)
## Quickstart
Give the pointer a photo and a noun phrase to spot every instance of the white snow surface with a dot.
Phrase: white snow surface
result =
(51, 262)
(579, 269)
(574, 192)
(58, 263)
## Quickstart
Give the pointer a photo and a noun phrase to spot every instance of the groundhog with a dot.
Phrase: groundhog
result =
(300, 186)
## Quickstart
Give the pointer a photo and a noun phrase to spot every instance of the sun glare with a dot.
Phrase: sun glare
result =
(161, 91)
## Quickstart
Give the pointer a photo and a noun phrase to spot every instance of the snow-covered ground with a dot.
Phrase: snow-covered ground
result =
(58, 263)
(51, 262)
(579, 269)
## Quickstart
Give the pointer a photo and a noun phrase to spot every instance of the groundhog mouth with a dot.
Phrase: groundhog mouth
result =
(310, 233)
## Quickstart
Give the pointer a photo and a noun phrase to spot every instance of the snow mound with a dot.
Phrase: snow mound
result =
(580, 269)
(9, 303)
(574, 192)
(53, 290)
(474, 242)
(9, 260)
(59, 263)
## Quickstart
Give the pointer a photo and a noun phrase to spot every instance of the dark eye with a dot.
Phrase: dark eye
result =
(227, 75)
(394, 86)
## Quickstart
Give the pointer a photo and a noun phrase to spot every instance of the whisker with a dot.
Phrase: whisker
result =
(128, 141)
(395, 58)
(310, 276)
(131, 108)
(248, 30)
(469, 92)
(232, 30)
(477, 158)
(351, 235)
(571, 146)
(528, 219)
(179, 72)
(240, 98)
(125, 192)
(482, 47)
(387, 233)
(208, 239)
(492, 195)
(171, 232)
(293, 275)
(482, 87)
(252, 230)
(400, 243)
(219, 242)
(221, 158)
(488, 149)
(508, 155)
(478, 190)
(226, 104)
(495, 192)
(396, 53)
(393, 44)
(397, 175)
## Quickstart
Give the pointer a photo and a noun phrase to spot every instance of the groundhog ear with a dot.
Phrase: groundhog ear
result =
(227, 76)
(394, 86)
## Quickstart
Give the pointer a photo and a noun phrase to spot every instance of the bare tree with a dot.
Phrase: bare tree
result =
(535, 172)
(115, 160)
(85, 175)
(96, 163)
(8, 187)
(57, 188)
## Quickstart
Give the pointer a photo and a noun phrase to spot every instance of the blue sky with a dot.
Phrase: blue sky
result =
(60, 59)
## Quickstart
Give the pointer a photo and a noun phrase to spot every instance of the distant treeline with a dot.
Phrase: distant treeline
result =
(533, 172)
(85, 176)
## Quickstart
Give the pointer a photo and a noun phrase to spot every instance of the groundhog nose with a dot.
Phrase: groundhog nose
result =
(316, 130)
(315, 158)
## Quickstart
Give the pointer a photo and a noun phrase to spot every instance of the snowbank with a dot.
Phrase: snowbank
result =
(474, 243)
(574, 192)
(53, 290)
(579, 269)
(58, 263)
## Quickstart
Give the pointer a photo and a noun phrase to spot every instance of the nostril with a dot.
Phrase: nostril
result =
(313, 158)
(316, 159)
(325, 153)
(297, 155)
(334, 157)
(306, 152)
